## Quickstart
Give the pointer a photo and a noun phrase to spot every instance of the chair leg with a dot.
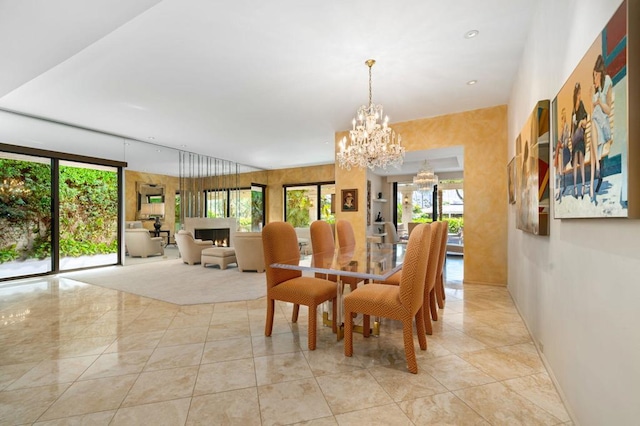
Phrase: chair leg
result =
(268, 326)
(296, 310)
(348, 334)
(420, 320)
(313, 312)
(433, 308)
(366, 325)
(409, 350)
(440, 291)
(334, 318)
(427, 319)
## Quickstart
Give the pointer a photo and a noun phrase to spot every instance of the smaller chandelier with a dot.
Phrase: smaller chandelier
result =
(426, 178)
(371, 143)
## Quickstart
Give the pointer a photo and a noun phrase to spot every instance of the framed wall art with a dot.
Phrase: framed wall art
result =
(349, 200)
(532, 172)
(593, 143)
(511, 180)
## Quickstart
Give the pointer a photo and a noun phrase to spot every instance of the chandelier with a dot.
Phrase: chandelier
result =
(426, 178)
(371, 143)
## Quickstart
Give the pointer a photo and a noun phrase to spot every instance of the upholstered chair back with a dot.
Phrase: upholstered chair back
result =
(280, 245)
(346, 236)
(444, 225)
(434, 255)
(190, 248)
(249, 253)
(140, 243)
(392, 234)
(414, 269)
(322, 243)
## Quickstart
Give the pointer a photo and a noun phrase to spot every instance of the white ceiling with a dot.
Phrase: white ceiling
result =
(266, 84)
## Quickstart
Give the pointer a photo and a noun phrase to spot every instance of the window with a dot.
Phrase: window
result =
(40, 192)
(307, 203)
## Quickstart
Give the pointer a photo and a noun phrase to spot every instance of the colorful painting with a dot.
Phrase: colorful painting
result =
(590, 155)
(532, 172)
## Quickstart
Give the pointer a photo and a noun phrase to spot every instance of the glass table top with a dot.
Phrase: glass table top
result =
(372, 261)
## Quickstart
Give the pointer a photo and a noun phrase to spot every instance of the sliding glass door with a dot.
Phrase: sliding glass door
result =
(25, 215)
(57, 212)
(88, 215)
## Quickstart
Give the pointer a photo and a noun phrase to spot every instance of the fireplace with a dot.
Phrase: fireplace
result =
(219, 236)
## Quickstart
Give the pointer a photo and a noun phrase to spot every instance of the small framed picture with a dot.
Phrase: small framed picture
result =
(349, 200)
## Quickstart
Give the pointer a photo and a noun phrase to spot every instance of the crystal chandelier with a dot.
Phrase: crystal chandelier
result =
(426, 178)
(371, 144)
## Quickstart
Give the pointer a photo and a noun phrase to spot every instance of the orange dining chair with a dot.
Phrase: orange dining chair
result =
(440, 296)
(346, 235)
(403, 302)
(430, 279)
(280, 245)
(322, 244)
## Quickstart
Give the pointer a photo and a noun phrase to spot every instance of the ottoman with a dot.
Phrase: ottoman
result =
(221, 256)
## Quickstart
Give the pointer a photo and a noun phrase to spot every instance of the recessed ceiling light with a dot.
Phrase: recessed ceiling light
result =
(471, 34)
(183, 145)
(150, 137)
(472, 82)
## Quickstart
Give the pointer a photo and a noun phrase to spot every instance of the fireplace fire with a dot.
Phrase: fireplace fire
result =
(219, 236)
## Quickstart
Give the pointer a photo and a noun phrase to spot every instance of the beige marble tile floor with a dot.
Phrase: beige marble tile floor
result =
(73, 353)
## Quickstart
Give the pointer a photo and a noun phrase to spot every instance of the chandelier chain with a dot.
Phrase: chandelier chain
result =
(370, 90)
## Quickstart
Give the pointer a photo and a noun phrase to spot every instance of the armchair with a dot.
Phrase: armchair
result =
(139, 243)
(190, 248)
(249, 251)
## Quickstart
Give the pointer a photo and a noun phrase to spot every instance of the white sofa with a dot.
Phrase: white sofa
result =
(139, 243)
(191, 248)
(249, 251)
(131, 224)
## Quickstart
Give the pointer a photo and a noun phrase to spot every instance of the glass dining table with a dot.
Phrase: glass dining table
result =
(369, 262)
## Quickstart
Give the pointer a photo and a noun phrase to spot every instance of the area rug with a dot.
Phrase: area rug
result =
(176, 282)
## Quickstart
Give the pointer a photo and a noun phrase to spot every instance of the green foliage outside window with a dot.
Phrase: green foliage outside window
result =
(25, 210)
(88, 211)
(298, 205)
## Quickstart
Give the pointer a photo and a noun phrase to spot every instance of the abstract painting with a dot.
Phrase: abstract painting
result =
(532, 172)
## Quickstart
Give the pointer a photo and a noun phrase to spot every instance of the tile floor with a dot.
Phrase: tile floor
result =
(72, 353)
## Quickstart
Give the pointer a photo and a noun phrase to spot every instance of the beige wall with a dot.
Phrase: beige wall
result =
(483, 134)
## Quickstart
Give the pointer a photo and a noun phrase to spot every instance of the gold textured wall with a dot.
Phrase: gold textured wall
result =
(483, 134)
(297, 175)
